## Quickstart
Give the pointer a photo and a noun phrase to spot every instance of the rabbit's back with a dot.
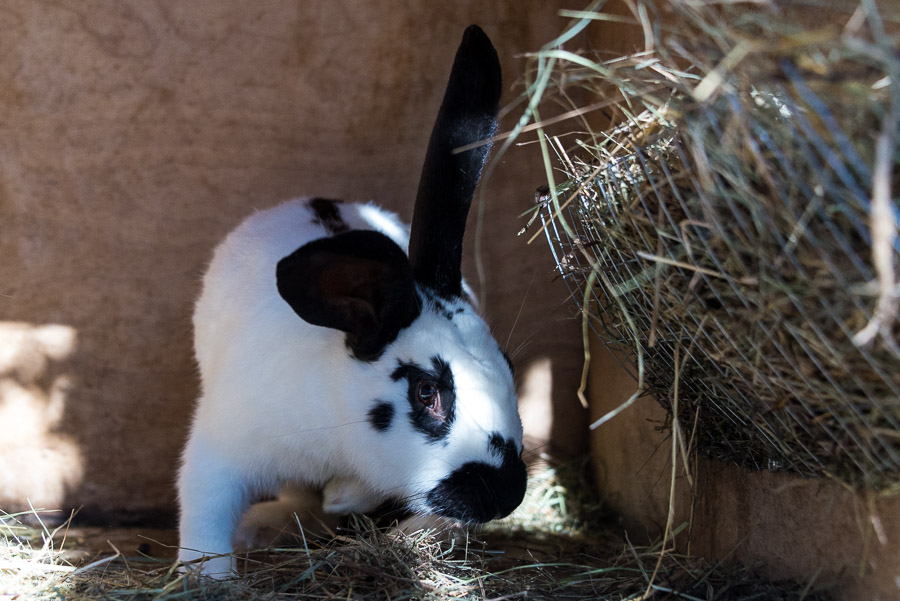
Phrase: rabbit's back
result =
(239, 288)
(265, 374)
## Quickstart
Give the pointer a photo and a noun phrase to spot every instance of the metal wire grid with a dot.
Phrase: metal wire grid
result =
(839, 424)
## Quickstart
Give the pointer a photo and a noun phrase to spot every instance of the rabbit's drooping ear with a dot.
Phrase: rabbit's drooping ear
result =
(468, 114)
(359, 282)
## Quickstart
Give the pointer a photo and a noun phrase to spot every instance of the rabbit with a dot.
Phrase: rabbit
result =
(331, 358)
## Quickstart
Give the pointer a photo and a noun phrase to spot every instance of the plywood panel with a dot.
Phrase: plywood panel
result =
(794, 528)
(134, 135)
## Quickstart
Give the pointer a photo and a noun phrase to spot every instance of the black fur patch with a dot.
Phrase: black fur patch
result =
(501, 447)
(389, 513)
(480, 492)
(422, 419)
(442, 308)
(449, 315)
(446, 311)
(428, 295)
(381, 415)
(509, 362)
(328, 214)
(359, 282)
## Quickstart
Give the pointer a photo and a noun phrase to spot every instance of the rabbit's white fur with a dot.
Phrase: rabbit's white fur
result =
(283, 401)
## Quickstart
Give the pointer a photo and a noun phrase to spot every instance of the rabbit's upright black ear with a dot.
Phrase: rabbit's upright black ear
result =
(468, 115)
(359, 282)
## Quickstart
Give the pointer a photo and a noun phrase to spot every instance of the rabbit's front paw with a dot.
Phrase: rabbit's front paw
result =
(276, 522)
(343, 496)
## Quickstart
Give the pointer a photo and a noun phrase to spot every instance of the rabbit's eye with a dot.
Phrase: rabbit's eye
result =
(427, 393)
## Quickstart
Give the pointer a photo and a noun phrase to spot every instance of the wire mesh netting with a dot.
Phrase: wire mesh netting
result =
(746, 245)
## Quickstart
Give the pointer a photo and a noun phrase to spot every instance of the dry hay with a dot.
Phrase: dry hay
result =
(737, 223)
(546, 550)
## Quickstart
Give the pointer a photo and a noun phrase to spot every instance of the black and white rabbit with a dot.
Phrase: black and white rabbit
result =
(331, 360)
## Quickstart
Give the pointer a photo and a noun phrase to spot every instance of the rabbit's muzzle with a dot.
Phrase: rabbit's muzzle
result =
(480, 492)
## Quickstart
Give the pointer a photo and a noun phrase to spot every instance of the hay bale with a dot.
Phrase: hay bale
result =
(736, 229)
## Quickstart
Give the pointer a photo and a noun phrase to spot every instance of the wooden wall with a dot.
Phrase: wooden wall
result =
(793, 528)
(134, 135)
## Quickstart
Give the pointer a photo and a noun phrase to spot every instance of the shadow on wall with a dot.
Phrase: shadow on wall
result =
(44, 466)
(41, 464)
(67, 433)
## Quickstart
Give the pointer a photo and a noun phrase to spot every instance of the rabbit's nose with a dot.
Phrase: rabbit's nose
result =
(480, 492)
